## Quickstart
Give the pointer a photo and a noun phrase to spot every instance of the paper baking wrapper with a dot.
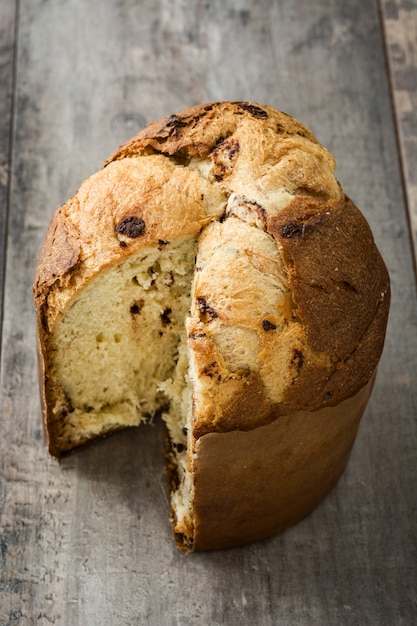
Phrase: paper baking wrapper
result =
(251, 485)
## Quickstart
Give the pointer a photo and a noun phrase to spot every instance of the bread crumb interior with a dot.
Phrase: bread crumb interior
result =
(120, 354)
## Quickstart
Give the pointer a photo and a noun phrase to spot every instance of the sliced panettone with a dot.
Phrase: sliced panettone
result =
(215, 272)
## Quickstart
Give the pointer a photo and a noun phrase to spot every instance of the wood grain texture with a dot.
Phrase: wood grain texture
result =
(400, 25)
(87, 541)
(7, 59)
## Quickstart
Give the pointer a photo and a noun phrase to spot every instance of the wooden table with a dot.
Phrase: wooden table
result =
(87, 541)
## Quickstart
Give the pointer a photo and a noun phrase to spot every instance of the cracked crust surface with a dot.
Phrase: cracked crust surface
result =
(290, 296)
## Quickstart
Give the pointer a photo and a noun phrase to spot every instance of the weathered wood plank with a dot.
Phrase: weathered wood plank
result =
(7, 58)
(400, 24)
(87, 541)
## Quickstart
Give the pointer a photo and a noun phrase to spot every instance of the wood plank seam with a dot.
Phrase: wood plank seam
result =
(6, 175)
(405, 168)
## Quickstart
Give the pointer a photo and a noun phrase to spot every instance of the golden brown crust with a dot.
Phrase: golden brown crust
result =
(127, 206)
(199, 130)
(139, 189)
(60, 252)
(322, 243)
(312, 346)
(342, 303)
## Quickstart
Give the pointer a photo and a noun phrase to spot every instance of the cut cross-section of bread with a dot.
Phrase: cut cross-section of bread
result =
(117, 342)
(214, 272)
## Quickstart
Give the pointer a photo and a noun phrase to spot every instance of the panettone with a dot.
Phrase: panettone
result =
(214, 272)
